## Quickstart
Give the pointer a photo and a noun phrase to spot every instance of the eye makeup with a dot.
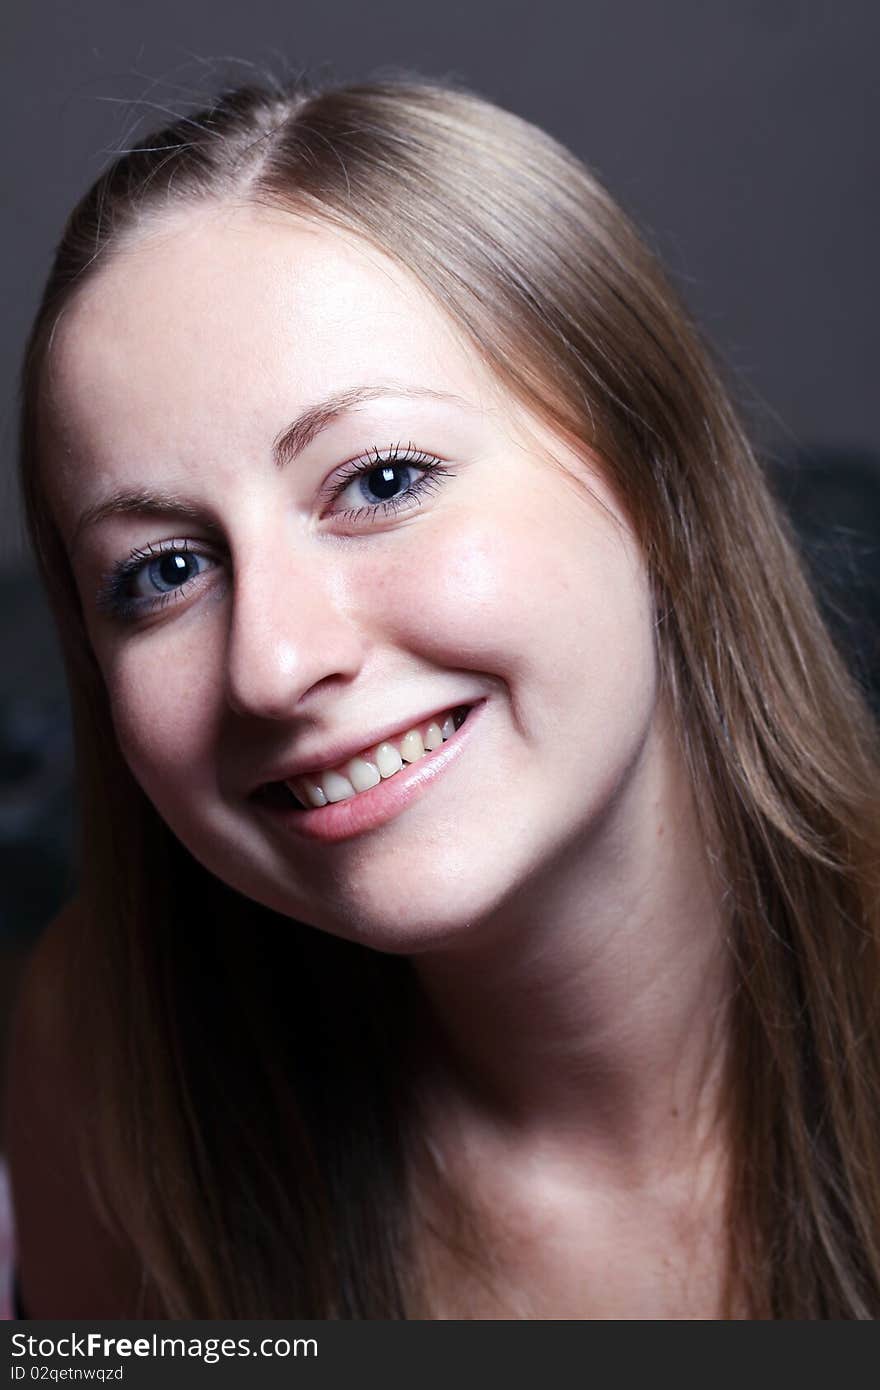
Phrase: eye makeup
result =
(385, 465)
(164, 563)
(169, 569)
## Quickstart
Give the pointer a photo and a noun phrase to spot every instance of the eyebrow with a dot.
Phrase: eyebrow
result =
(306, 427)
(287, 446)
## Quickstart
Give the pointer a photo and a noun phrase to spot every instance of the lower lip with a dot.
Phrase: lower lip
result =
(342, 820)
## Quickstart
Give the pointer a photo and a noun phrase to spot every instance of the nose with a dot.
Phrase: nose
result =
(290, 628)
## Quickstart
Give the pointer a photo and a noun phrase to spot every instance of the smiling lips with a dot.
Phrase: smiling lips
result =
(376, 763)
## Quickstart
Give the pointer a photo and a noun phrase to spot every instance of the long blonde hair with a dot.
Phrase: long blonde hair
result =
(211, 1130)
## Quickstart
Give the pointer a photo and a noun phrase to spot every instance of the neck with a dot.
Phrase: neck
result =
(586, 1020)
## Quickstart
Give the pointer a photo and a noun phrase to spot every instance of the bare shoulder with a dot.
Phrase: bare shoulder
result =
(68, 1264)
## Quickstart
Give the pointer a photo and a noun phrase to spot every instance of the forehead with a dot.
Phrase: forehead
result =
(222, 321)
(190, 276)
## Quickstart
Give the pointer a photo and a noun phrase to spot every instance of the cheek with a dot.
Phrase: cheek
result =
(546, 594)
(162, 713)
(472, 594)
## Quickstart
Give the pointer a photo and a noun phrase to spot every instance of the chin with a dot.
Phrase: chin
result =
(429, 895)
(399, 919)
(402, 928)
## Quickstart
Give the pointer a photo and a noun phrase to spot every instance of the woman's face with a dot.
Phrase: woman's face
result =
(261, 609)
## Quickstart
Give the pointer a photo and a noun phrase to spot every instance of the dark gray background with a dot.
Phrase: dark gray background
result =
(742, 136)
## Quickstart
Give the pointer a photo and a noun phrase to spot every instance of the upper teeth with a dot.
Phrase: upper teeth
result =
(373, 764)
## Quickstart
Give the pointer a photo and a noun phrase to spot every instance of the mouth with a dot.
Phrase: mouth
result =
(354, 812)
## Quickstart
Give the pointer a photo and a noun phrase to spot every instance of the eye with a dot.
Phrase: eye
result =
(151, 577)
(381, 483)
(386, 482)
(168, 571)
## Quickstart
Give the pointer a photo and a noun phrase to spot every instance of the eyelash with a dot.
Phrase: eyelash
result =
(115, 600)
(430, 479)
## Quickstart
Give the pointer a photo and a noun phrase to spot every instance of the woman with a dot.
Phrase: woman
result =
(477, 912)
